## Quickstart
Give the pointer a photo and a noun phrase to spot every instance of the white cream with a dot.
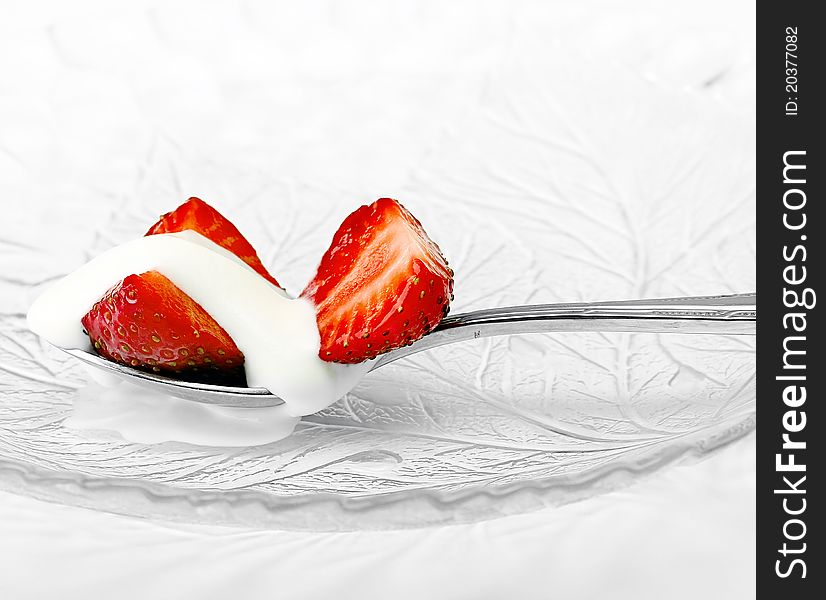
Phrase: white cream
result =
(143, 416)
(277, 334)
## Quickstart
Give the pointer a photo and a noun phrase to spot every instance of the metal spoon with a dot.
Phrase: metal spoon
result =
(728, 315)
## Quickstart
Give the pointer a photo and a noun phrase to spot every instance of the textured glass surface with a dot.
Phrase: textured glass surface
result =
(538, 193)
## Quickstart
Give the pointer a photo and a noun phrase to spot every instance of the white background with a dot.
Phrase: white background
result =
(355, 95)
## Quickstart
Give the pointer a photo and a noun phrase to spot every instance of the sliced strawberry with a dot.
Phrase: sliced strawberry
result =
(197, 215)
(382, 284)
(147, 322)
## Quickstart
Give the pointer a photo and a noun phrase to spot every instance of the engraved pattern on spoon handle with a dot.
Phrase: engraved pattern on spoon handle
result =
(730, 315)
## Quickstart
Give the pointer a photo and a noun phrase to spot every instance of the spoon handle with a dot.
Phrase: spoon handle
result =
(730, 315)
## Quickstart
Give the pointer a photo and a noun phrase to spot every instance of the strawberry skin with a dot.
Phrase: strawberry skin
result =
(197, 215)
(147, 322)
(382, 284)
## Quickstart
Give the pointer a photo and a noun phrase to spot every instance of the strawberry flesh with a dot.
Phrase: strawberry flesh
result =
(382, 284)
(147, 322)
(197, 215)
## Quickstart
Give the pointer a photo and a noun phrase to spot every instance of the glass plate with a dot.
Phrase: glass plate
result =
(538, 194)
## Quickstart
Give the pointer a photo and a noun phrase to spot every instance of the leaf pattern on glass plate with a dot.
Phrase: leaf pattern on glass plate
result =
(538, 196)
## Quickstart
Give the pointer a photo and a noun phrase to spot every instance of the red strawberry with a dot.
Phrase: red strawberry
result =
(147, 322)
(382, 284)
(197, 215)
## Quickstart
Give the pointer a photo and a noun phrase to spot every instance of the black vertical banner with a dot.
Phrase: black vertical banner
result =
(791, 437)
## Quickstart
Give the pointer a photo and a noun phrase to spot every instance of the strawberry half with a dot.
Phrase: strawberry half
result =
(382, 284)
(197, 215)
(147, 322)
